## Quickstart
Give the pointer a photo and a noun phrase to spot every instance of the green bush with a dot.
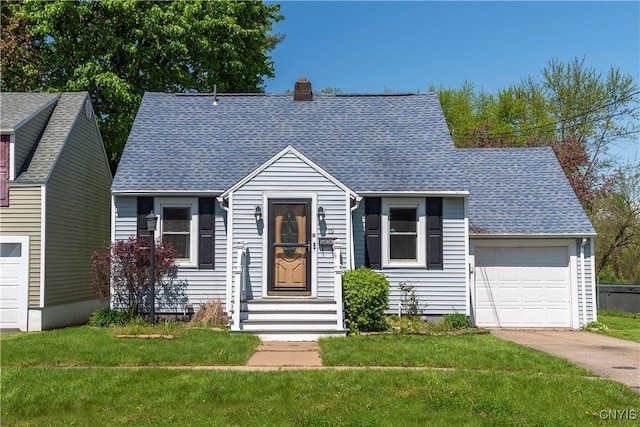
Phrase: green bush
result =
(456, 320)
(365, 295)
(107, 316)
(596, 326)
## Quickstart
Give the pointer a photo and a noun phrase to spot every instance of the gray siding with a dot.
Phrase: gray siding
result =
(289, 174)
(28, 134)
(23, 218)
(78, 207)
(202, 285)
(439, 291)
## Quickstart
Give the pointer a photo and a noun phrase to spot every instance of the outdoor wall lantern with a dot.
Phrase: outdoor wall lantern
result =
(258, 213)
(320, 213)
(152, 220)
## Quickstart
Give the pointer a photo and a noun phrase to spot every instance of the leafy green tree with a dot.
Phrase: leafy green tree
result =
(616, 218)
(118, 49)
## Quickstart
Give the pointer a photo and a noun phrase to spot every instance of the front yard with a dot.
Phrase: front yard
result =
(84, 376)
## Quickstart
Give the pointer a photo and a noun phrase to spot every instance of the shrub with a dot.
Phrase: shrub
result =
(365, 295)
(596, 327)
(122, 272)
(456, 320)
(107, 316)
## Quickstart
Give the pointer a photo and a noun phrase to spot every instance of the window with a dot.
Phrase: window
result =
(175, 229)
(403, 232)
(178, 226)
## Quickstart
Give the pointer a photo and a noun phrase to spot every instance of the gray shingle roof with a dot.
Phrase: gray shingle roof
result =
(371, 143)
(69, 105)
(16, 107)
(183, 142)
(520, 191)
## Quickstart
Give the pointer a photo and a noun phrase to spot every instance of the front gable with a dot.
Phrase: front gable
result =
(290, 164)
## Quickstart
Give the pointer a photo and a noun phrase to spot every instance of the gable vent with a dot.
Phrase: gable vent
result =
(302, 90)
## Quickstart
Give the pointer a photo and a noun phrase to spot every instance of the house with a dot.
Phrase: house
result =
(55, 186)
(269, 198)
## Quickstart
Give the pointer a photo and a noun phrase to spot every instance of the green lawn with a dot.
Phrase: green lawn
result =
(150, 396)
(90, 346)
(69, 377)
(621, 324)
(458, 351)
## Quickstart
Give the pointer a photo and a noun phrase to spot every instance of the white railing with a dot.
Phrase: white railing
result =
(337, 283)
(239, 274)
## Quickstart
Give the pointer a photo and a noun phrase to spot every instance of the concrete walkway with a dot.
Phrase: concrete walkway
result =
(608, 357)
(286, 354)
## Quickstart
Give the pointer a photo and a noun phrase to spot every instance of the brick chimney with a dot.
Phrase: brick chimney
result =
(302, 90)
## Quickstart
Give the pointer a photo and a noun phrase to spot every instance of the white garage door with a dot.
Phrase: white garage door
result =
(13, 277)
(522, 287)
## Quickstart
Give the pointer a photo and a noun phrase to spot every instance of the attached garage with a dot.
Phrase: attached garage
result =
(14, 271)
(523, 286)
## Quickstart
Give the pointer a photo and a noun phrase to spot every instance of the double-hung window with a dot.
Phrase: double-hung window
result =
(403, 232)
(178, 226)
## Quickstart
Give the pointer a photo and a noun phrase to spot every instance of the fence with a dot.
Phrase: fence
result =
(619, 297)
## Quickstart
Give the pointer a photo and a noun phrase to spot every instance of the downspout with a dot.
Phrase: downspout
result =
(582, 282)
(352, 255)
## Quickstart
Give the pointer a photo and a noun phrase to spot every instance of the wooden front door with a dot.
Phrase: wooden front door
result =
(289, 247)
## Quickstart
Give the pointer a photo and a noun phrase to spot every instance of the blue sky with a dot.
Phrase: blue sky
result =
(373, 46)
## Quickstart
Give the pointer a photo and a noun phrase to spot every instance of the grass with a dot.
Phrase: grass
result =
(84, 376)
(148, 396)
(91, 346)
(621, 324)
(481, 351)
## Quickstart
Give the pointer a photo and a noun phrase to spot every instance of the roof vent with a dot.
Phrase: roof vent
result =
(302, 90)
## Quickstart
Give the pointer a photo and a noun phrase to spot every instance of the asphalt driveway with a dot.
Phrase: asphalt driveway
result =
(606, 356)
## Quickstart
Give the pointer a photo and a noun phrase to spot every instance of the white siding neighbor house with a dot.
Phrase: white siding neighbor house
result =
(54, 210)
(275, 196)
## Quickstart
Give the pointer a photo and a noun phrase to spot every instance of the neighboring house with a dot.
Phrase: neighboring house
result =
(269, 198)
(54, 182)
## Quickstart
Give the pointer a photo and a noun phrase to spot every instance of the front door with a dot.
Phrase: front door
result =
(289, 247)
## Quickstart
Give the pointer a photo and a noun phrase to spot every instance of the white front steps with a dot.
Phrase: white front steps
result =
(290, 319)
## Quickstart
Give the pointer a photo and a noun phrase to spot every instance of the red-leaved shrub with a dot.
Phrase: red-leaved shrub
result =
(121, 272)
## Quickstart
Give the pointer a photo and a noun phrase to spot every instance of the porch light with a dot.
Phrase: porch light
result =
(320, 213)
(152, 220)
(258, 213)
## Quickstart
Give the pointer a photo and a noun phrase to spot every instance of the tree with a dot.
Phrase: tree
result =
(21, 64)
(118, 49)
(616, 218)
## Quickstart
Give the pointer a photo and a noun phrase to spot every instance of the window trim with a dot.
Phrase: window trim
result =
(420, 205)
(180, 202)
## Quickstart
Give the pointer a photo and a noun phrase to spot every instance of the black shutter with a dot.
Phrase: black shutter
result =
(434, 233)
(206, 235)
(373, 231)
(145, 206)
